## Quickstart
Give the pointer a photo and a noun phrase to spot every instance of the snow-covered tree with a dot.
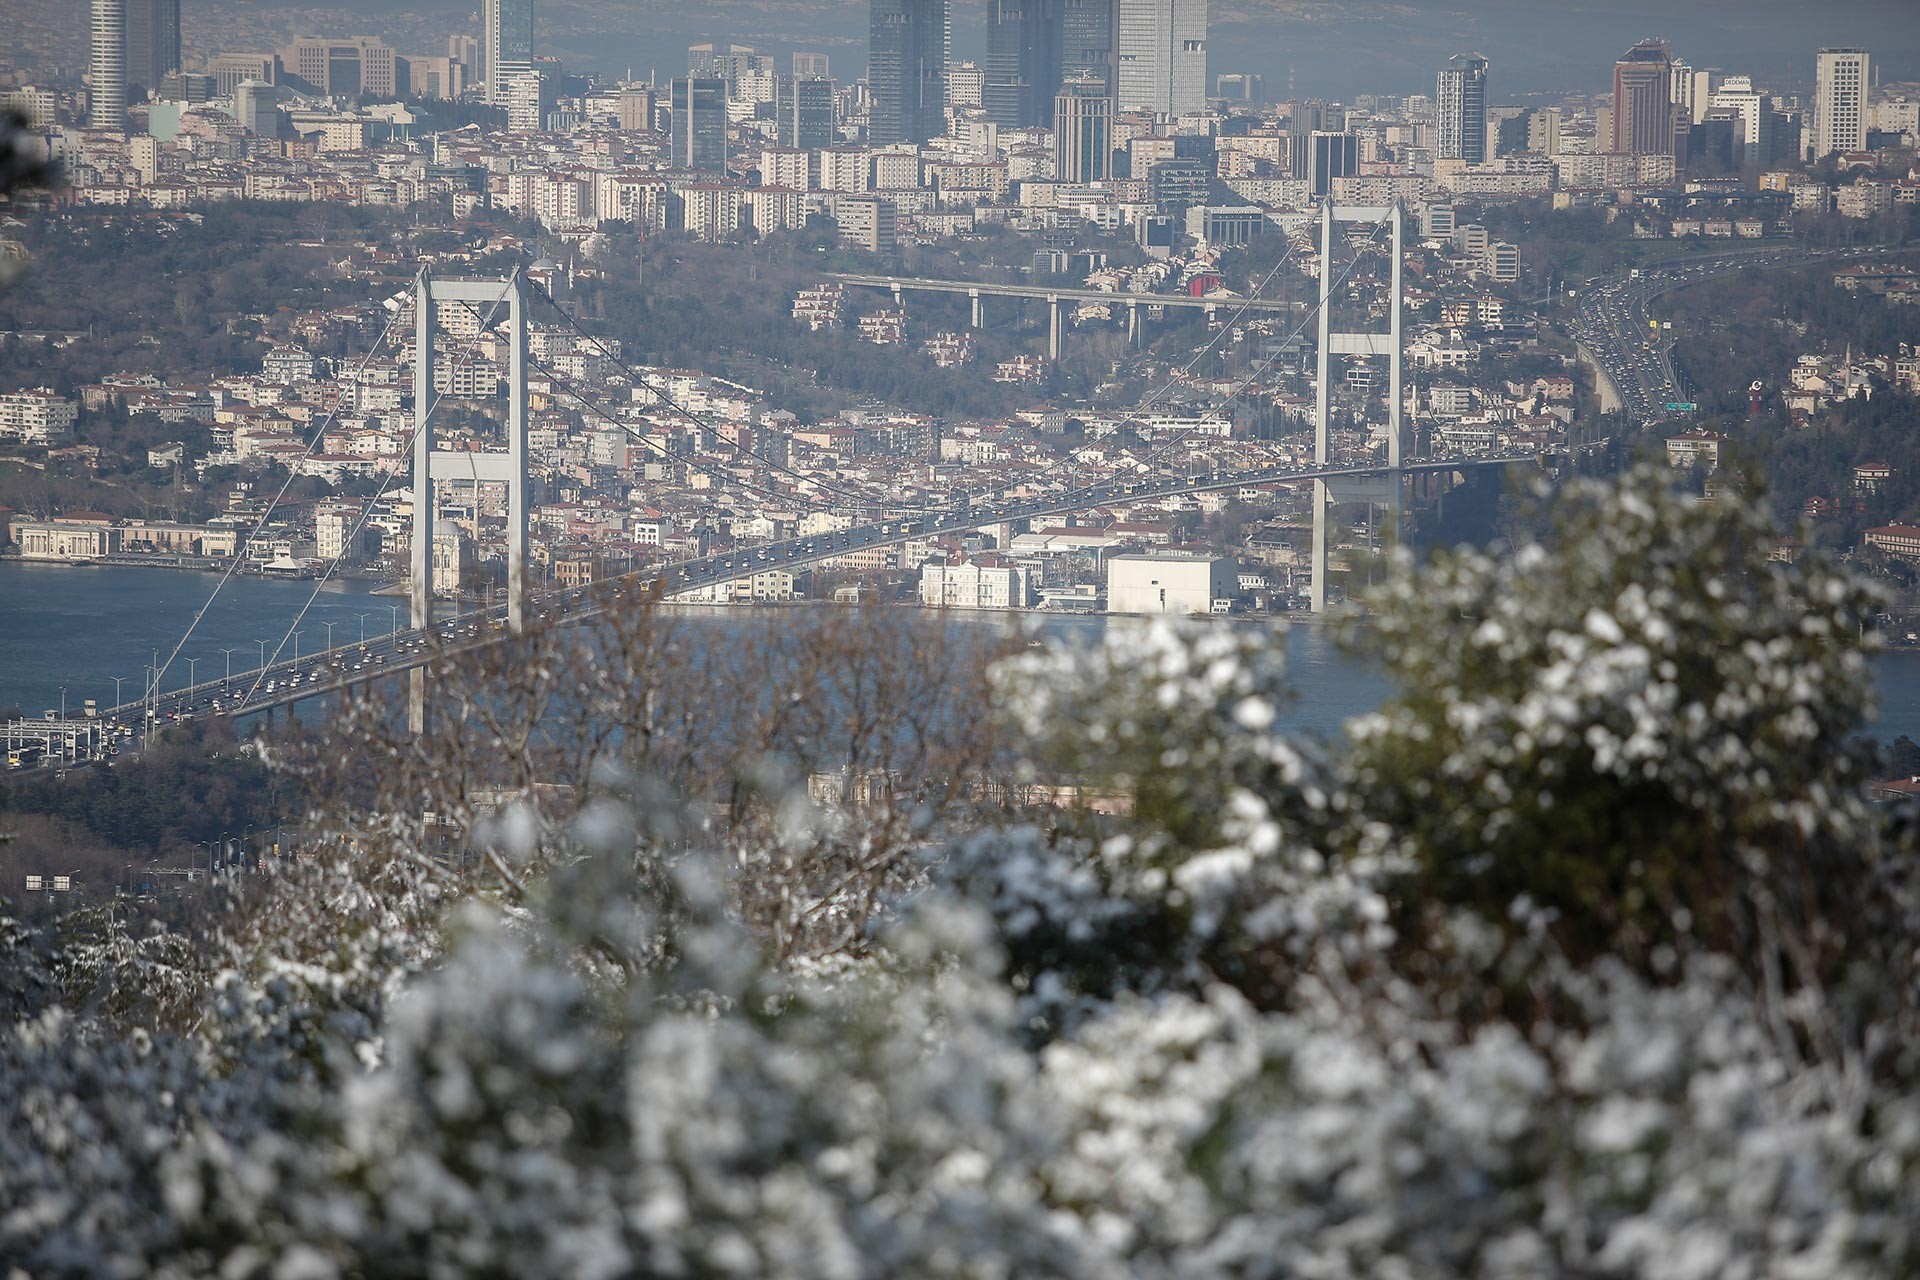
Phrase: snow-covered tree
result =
(1583, 957)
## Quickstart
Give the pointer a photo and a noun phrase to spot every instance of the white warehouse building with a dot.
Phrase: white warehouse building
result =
(1172, 583)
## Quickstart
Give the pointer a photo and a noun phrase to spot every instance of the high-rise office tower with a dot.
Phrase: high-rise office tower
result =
(342, 68)
(909, 43)
(107, 66)
(506, 44)
(1751, 113)
(256, 107)
(1840, 102)
(465, 50)
(1083, 132)
(699, 123)
(1460, 109)
(1086, 41)
(1330, 156)
(1160, 55)
(153, 41)
(1023, 61)
(1304, 119)
(1240, 86)
(810, 66)
(803, 112)
(1643, 100)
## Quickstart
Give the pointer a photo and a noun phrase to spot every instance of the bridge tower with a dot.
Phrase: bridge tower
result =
(485, 298)
(1389, 489)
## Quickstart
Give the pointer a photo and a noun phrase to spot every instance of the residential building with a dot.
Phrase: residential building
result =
(1901, 541)
(1160, 56)
(1460, 109)
(909, 45)
(37, 417)
(867, 222)
(636, 108)
(1840, 101)
(1693, 448)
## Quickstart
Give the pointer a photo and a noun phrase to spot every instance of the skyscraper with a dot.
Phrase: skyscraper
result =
(153, 41)
(1086, 41)
(506, 40)
(908, 46)
(803, 112)
(1840, 102)
(1023, 61)
(107, 66)
(1083, 132)
(1160, 55)
(699, 123)
(1460, 109)
(1643, 100)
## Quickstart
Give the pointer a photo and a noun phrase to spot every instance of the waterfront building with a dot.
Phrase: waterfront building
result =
(1171, 582)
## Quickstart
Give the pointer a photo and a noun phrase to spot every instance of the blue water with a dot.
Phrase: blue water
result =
(76, 628)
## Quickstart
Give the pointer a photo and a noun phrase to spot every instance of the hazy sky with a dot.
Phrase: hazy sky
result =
(1337, 47)
(1341, 47)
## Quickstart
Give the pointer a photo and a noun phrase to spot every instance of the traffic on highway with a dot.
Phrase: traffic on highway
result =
(1633, 350)
(333, 670)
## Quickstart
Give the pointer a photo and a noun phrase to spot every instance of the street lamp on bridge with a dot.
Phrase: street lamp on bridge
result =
(229, 679)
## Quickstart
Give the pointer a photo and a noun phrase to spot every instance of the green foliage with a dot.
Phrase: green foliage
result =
(193, 785)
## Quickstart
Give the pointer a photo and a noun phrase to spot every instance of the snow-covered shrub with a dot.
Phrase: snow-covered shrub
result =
(1301, 1012)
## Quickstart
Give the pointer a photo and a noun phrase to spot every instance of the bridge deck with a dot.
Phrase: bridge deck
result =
(906, 284)
(330, 671)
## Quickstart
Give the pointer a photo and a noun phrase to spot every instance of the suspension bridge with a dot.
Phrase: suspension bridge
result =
(410, 651)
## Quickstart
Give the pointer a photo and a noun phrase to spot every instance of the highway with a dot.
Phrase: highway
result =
(333, 670)
(907, 284)
(1611, 321)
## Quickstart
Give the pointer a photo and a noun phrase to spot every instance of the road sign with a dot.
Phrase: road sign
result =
(1682, 406)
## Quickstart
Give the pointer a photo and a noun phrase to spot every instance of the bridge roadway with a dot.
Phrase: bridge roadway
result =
(345, 666)
(1045, 293)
